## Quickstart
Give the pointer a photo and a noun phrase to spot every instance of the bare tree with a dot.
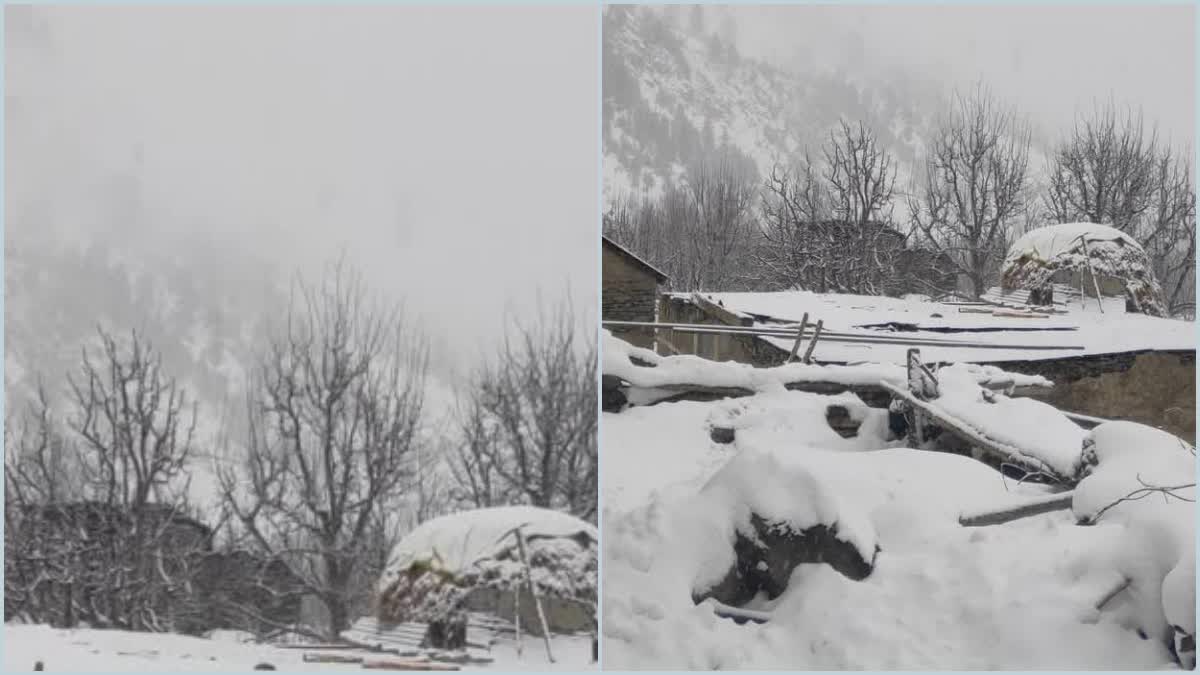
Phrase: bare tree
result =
(1112, 170)
(859, 175)
(973, 187)
(528, 427)
(1168, 232)
(795, 250)
(96, 513)
(334, 411)
(826, 226)
(1103, 172)
(134, 422)
(722, 199)
(698, 233)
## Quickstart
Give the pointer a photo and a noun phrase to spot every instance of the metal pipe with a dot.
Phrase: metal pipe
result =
(833, 336)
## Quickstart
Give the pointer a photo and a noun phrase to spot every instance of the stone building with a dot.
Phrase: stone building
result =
(630, 291)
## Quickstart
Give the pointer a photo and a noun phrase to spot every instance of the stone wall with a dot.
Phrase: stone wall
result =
(740, 348)
(1154, 388)
(629, 294)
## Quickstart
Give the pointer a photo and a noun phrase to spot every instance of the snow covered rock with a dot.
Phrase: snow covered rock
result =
(781, 517)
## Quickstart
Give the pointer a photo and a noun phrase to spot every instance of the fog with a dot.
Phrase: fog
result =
(450, 152)
(1048, 60)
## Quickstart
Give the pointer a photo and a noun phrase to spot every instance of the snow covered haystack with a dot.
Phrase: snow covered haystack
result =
(471, 561)
(1102, 254)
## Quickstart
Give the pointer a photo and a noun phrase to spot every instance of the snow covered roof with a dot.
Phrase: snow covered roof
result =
(1039, 254)
(1087, 327)
(459, 540)
(633, 257)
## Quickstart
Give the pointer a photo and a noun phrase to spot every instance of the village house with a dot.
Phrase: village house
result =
(630, 292)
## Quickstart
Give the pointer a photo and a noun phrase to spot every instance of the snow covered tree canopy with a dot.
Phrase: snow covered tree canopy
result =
(1099, 250)
(433, 571)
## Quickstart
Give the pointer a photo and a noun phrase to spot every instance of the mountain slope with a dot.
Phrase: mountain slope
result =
(674, 94)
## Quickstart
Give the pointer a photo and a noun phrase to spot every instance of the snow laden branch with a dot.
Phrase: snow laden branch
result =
(1168, 493)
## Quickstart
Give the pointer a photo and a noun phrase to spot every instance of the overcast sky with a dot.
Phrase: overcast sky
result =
(451, 150)
(1049, 60)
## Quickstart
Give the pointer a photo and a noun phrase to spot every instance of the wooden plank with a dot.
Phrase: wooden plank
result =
(1085, 421)
(799, 338)
(885, 340)
(318, 657)
(408, 665)
(1024, 509)
(739, 614)
(813, 343)
(1008, 453)
(842, 336)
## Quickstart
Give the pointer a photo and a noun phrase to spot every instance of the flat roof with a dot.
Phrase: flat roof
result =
(1108, 332)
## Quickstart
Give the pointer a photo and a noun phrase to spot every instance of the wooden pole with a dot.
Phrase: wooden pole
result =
(1025, 509)
(842, 336)
(813, 343)
(533, 591)
(1113, 592)
(799, 338)
(1092, 271)
(669, 342)
(517, 618)
(917, 391)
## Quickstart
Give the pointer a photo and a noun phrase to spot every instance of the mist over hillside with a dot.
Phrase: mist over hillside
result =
(677, 90)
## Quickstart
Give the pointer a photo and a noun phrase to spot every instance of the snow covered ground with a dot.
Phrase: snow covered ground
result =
(88, 650)
(1082, 326)
(1019, 595)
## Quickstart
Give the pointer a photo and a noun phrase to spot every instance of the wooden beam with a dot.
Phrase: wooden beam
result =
(319, 657)
(1024, 509)
(813, 343)
(837, 336)
(408, 665)
(537, 602)
(1006, 452)
(799, 338)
